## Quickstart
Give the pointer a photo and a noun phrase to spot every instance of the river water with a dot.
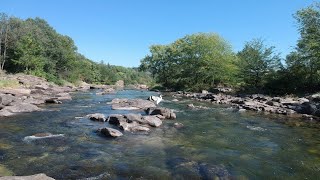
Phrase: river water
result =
(216, 142)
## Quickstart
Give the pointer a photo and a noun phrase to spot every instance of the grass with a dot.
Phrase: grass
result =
(8, 83)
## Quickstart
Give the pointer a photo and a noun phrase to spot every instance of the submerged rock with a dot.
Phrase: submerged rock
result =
(32, 177)
(97, 117)
(110, 132)
(187, 169)
(131, 104)
(178, 125)
(41, 136)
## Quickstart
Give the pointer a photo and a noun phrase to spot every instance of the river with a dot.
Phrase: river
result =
(218, 140)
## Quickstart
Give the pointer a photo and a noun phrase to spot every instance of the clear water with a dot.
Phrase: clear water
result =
(247, 145)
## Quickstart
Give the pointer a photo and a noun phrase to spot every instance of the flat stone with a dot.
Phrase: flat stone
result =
(153, 121)
(110, 132)
(131, 104)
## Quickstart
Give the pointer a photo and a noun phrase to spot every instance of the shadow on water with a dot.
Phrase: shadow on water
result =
(214, 143)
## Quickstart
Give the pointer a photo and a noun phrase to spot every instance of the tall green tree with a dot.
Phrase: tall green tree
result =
(305, 61)
(257, 63)
(194, 62)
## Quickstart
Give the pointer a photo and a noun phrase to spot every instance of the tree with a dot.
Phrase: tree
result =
(305, 61)
(257, 63)
(30, 55)
(194, 62)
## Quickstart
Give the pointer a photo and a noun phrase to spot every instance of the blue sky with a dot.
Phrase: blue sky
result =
(121, 31)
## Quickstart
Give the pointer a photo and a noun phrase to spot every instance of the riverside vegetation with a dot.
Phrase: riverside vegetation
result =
(204, 61)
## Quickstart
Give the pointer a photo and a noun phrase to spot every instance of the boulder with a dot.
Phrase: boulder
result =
(32, 177)
(315, 97)
(18, 108)
(131, 104)
(152, 121)
(133, 127)
(307, 108)
(133, 117)
(97, 117)
(119, 84)
(237, 101)
(204, 92)
(110, 132)
(167, 113)
(16, 91)
(303, 100)
(41, 86)
(139, 129)
(116, 119)
(6, 99)
(32, 100)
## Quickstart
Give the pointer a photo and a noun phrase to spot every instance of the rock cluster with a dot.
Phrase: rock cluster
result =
(31, 91)
(133, 122)
(258, 102)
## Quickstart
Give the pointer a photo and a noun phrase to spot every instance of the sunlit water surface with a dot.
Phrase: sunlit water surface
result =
(247, 145)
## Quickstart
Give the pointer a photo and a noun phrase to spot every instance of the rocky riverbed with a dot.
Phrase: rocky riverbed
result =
(306, 107)
(132, 122)
(31, 92)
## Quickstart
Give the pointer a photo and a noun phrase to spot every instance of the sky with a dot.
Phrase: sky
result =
(120, 32)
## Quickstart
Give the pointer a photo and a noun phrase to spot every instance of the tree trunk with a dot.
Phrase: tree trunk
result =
(5, 46)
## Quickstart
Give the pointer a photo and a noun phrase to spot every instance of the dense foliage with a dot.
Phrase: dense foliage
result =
(205, 60)
(32, 46)
(194, 62)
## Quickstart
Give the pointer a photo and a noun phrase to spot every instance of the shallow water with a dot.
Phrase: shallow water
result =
(247, 145)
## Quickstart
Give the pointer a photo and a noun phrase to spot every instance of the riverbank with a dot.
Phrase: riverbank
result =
(22, 93)
(308, 108)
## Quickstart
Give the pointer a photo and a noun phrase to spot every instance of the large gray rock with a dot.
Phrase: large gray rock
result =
(133, 117)
(131, 104)
(110, 132)
(32, 177)
(18, 108)
(116, 119)
(6, 99)
(133, 127)
(152, 121)
(167, 113)
(16, 91)
(35, 101)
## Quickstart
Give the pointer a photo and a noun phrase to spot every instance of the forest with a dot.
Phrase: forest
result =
(200, 61)
(203, 61)
(33, 47)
